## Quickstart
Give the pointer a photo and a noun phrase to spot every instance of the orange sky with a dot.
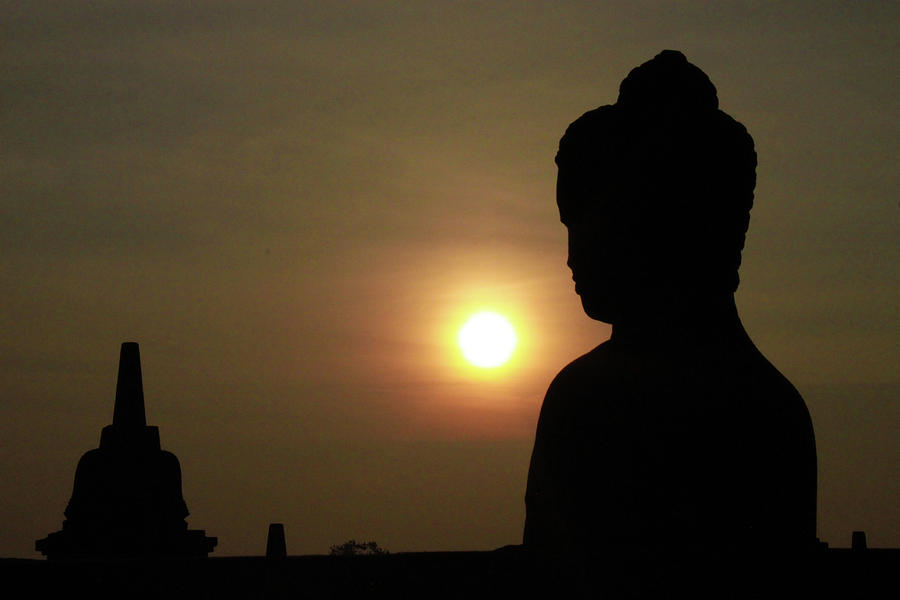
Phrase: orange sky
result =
(290, 206)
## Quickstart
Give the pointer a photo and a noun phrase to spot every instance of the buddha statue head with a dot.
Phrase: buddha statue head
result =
(656, 192)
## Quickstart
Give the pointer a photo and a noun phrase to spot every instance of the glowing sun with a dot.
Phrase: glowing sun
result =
(487, 340)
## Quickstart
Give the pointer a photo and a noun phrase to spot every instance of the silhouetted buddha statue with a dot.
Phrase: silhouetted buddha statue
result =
(127, 495)
(676, 432)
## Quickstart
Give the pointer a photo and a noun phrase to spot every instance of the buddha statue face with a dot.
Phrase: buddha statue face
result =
(597, 250)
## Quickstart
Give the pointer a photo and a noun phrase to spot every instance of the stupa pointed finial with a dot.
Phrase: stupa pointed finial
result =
(129, 408)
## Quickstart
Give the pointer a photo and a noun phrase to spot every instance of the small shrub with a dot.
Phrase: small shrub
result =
(354, 548)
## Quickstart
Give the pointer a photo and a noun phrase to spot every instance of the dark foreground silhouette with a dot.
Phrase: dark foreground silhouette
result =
(676, 433)
(820, 575)
(127, 496)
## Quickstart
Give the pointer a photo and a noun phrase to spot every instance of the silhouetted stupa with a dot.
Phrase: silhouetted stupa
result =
(127, 496)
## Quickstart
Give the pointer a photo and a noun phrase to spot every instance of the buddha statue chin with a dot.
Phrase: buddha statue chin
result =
(676, 432)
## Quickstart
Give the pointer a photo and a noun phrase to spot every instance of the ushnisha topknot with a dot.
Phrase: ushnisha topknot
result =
(668, 80)
(674, 166)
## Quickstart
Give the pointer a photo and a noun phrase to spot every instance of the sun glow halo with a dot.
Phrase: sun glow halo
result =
(487, 340)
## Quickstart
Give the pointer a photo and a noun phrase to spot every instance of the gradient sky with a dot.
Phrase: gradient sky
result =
(292, 206)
